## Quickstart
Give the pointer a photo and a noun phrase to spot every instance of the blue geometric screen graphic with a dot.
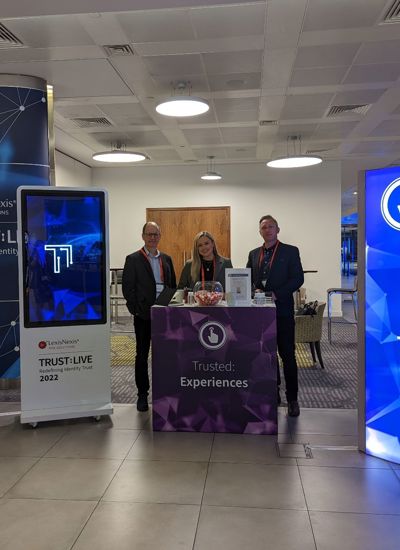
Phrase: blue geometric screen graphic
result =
(382, 312)
(64, 258)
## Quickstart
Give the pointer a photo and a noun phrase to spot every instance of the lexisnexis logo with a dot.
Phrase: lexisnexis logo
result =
(390, 204)
(61, 342)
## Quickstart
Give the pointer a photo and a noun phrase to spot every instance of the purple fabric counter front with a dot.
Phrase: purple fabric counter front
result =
(214, 369)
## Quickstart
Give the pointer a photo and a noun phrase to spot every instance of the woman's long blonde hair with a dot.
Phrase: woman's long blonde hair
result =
(196, 258)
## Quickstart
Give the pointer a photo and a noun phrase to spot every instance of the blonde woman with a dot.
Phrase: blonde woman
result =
(206, 264)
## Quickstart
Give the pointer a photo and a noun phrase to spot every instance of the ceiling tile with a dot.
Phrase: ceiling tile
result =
(305, 106)
(164, 155)
(326, 56)
(358, 97)
(147, 139)
(50, 31)
(303, 130)
(78, 111)
(157, 25)
(79, 78)
(233, 62)
(387, 128)
(378, 52)
(174, 66)
(342, 14)
(239, 135)
(240, 110)
(223, 21)
(238, 81)
(199, 83)
(202, 136)
(125, 114)
(317, 76)
(241, 152)
(205, 118)
(378, 73)
(202, 153)
(378, 148)
(334, 130)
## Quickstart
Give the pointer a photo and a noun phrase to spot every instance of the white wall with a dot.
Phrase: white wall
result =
(306, 203)
(71, 173)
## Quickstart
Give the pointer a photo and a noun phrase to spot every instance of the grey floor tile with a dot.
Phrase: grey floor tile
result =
(359, 490)
(326, 439)
(342, 459)
(355, 531)
(247, 448)
(157, 481)
(18, 440)
(223, 528)
(194, 447)
(41, 524)
(10, 406)
(324, 421)
(254, 485)
(126, 417)
(130, 526)
(12, 469)
(283, 424)
(94, 443)
(67, 479)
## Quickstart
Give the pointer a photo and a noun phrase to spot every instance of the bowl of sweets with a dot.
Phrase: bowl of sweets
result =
(208, 293)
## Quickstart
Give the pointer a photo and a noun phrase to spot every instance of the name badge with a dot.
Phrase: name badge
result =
(159, 287)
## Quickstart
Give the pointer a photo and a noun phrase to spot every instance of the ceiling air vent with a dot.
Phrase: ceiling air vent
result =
(268, 123)
(337, 110)
(392, 15)
(91, 122)
(8, 39)
(113, 50)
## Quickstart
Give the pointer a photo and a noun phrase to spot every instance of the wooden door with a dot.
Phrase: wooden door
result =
(180, 225)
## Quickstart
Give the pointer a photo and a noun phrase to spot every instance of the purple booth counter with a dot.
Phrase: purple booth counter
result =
(214, 369)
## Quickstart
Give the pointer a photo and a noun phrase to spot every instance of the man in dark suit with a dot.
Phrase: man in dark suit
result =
(276, 268)
(146, 273)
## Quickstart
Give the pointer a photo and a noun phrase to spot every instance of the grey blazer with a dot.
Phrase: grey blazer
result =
(221, 264)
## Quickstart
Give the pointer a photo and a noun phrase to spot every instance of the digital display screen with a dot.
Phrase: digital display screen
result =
(64, 258)
(382, 312)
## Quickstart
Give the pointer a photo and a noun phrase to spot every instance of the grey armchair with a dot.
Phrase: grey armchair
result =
(309, 331)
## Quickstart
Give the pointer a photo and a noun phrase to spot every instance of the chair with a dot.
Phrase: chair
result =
(352, 292)
(309, 331)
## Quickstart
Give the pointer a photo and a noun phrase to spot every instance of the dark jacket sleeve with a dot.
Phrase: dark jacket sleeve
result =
(172, 280)
(129, 284)
(295, 276)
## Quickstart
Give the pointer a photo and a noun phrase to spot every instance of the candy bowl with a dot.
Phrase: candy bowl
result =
(208, 293)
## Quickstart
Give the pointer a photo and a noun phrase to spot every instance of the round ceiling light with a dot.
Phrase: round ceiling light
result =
(297, 161)
(211, 176)
(183, 106)
(119, 156)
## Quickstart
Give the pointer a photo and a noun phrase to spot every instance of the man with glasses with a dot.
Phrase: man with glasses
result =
(146, 273)
(276, 268)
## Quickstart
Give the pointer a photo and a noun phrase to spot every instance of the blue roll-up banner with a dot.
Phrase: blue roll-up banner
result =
(24, 160)
(382, 313)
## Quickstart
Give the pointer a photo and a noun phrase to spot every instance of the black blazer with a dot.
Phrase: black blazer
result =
(285, 277)
(221, 264)
(139, 285)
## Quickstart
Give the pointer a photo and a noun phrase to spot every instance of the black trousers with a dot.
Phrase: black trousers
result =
(286, 350)
(143, 338)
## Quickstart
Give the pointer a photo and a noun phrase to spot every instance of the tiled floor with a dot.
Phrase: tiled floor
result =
(115, 484)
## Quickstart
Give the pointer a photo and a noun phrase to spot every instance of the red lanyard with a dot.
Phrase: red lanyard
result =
(203, 277)
(142, 250)
(262, 255)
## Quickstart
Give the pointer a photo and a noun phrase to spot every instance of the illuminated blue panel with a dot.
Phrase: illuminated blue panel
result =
(382, 312)
(64, 257)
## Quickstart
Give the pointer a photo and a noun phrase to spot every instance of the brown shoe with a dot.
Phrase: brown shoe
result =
(293, 408)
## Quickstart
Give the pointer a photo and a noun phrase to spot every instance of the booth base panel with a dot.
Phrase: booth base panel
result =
(62, 413)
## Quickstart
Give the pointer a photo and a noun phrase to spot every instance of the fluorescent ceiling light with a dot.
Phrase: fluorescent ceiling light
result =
(119, 156)
(298, 161)
(211, 176)
(182, 106)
